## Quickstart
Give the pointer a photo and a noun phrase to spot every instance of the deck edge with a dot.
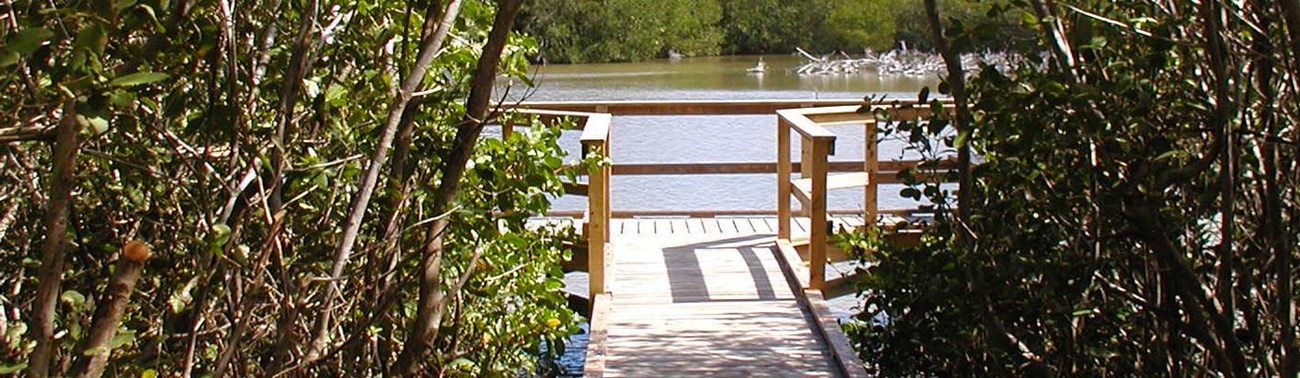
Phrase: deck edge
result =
(824, 323)
(598, 340)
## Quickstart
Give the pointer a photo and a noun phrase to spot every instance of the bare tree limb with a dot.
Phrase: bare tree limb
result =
(55, 245)
(430, 45)
(431, 304)
(97, 346)
(1286, 303)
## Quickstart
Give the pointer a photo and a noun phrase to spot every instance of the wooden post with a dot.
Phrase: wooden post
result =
(783, 169)
(815, 165)
(871, 164)
(608, 172)
(595, 135)
(598, 233)
(806, 156)
(507, 128)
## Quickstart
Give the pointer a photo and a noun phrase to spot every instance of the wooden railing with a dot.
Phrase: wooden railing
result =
(806, 118)
(814, 182)
(596, 219)
(686, 107)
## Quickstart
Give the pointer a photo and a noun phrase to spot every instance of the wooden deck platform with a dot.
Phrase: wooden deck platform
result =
(706, 296)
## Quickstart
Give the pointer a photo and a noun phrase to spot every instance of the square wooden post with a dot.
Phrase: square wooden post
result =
(816, 166)
(871, 162)
(783, 169)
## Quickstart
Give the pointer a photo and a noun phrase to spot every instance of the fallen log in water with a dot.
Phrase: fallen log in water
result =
(895, 62)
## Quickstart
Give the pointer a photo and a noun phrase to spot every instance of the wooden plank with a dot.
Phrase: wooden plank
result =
(845, 357)
(759, 225)
(824, 110)
(617, 226)
(714, 307)
(696, 225)
(711, 226)
(637, 169)
(804, 126)
(685, 107)
(679, 226)
(595, 129)
(871, 168)
(784, 170)
(802, 224)
(802, 187)
(598, 230)
(727, 226)
(743, 226)
(715, 213)
(663, 227)
(598, 339)
(851, 222)
(817, 234)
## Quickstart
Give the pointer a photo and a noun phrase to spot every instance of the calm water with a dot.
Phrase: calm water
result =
(643, 139)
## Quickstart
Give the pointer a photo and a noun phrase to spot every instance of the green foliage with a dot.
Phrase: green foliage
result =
(1126, 216)
(770, 26)
(629, 30)
(853, 25)
(980, 25)
(178, 103)
(622, 30)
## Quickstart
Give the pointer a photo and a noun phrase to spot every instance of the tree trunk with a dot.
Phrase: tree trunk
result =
(1286, 295)
(431, 304)
(97, 347)
(56, 242)
(430, 44)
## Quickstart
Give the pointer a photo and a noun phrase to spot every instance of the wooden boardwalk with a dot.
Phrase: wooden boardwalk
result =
(706, 296)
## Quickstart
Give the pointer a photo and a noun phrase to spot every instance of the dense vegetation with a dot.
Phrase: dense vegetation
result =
(252, 188)
(1135, 213)
(583, 31)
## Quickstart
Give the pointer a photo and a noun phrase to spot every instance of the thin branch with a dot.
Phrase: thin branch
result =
(430, 45)
(56, 243)
(431, 305)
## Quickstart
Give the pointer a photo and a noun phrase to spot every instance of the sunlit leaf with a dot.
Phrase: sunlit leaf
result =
(26, 41)
(138, 78)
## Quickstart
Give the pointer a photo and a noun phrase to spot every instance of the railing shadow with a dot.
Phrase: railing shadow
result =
(688, 282)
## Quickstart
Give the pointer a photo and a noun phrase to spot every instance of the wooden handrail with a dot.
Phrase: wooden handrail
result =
(811, 189)
(805, 126)
(684, 107)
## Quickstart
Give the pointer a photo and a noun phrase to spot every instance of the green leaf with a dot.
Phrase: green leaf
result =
(8, 58)
(73, 298)
(1028, 19)
(14, 368)
(95, 351)
(26, 41)
(463, 364)
(219, 236)
(962, 137)
(138, 78)
(122, 337)
(96, 124)
(912, 193)
(149, 373)
(91, 39)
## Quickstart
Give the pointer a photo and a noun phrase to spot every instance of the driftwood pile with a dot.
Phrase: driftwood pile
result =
(895, 62)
